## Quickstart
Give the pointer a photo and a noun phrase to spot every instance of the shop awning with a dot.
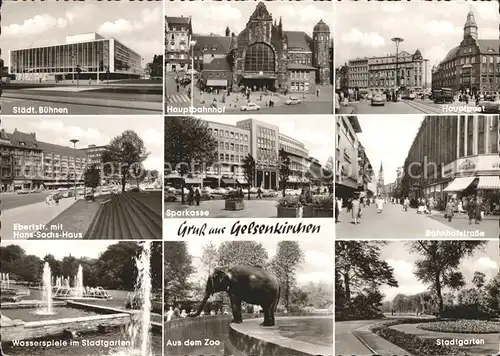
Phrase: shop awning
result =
(228, 181)
(459, 184)
(216, 83)
(192, 180)
(489, 182)
(241, 181)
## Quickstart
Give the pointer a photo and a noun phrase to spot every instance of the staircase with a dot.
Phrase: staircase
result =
(124, 217)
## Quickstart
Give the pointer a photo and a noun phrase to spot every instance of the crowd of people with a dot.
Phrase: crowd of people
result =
(177, 313)
(474, 206)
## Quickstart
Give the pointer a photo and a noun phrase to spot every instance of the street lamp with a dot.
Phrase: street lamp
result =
(397, 41)
(72, 55)
(98, 64)
(74, 141)
(192, 43)
(143, 72)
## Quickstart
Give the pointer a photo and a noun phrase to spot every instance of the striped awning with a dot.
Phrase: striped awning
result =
(489, 182)
(459, 184)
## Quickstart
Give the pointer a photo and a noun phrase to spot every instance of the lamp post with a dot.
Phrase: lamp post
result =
(72, 55)
(143, 72)
(98, 64)
(192, 43)
(74, 141)
(397, 41)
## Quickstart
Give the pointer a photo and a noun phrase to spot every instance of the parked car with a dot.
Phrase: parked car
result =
(292, 101)
(23, 191)
(490, 107)
(378, 99)
(221, 191)
(206, 195)
(269, 193)
(250, 107)
(254, 190)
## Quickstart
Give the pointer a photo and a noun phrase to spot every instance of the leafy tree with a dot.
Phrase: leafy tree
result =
(178, 268)
(92, 177)
(319, 294)
(479, 279)
(125, 155)
(247, 253)
(209, 257)
(288, 257)
(69, 266)
(439, 264)
(249, 170)
(299, 297)
(493, 294)
(156, 266)
(189, 146)
(284, 171)
(55, 265)
(32, 269)
(117, 267)
(358, 264)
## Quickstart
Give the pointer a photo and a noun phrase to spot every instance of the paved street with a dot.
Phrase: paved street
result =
(253, 209)
(14, 200)
(345, 341)
(310, 103)
(395, 223)
(416, 106)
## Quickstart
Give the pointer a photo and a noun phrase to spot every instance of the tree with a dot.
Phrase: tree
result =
(125, 155)
(299, 297)
(358, 264)
(178, 268)
(92, 176)
(493, 294)
(439, 264)
(284, 171)
(117, 267)
(209, 257)
(189, 145)
(157, 265)
(249, 170)
(247, 253)
(288, 257)
(478, 279)
(55, 265)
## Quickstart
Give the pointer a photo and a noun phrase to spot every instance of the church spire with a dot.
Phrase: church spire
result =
(470, 27)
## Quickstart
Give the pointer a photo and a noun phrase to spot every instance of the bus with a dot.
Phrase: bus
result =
(442, 95)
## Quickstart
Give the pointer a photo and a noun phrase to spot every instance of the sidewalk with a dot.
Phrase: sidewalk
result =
(127, 104)
(378, 345)
(38, 213)
(462, 215)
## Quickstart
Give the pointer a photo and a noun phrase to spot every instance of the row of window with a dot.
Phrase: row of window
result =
(471, 60)
(299, 75)
(231, 158)
(391, 60)
(233, 147)
(229, 134)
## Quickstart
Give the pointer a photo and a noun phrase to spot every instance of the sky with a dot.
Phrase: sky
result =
(62, 248)
(93, 130)
(387, 139)
(213, 17)
(317, 266)
(316, 132)
(365, 29)
(138, 25)
(396, 255)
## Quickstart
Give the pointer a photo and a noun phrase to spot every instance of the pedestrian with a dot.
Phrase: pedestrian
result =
(479, 209)
(190, 196)
(197, 196)
(406, 204)
(170, 313)
(471, 210)
(259, 193)
(337, 212)
(449, 211)
(380, 205)
(337, 103)
(355, 210)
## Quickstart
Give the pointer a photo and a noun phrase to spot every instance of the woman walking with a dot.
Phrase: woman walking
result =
(471, 210)
(449, 210)
(380, 205)
(355, 209)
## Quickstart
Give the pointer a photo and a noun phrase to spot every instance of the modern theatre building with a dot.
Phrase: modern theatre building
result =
(89, 54)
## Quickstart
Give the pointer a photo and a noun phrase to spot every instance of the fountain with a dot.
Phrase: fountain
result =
(79, 289)
(47, 291)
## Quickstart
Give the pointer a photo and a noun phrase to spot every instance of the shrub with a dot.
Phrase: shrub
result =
(467, 311)
(323, 201)
(289, 201)
(233, 195)
(462, 326)
(411, 343)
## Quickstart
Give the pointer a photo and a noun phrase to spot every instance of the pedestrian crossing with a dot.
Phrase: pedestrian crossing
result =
(178, 98)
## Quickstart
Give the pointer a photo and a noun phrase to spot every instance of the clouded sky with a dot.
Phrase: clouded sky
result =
(317, 267)
(315, 132)
(365, 29)
(93, 130)
(213, 17)
(396, 255)
(62, 248)
(138, 25)
(387, 139)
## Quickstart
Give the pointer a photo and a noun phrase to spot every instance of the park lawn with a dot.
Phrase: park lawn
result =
(462, 326)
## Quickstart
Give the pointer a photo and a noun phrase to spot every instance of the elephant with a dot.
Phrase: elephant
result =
(244, 283)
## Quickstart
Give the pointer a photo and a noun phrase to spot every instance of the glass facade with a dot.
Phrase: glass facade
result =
(62, 59)
(92, 57)
(259, 57)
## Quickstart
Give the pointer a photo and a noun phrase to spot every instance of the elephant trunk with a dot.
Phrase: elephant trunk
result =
(202, 305)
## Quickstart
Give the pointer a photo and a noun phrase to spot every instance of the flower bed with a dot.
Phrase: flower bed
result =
(462, 326)
(411, 343)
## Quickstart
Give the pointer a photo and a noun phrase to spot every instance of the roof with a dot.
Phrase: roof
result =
(485, 46)
(29, 139)
(298, 40)
(300, 66)
(217, 64)
(321, 27)
(222, 44)
(178, 20)
(451, 54)
(45, 146)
